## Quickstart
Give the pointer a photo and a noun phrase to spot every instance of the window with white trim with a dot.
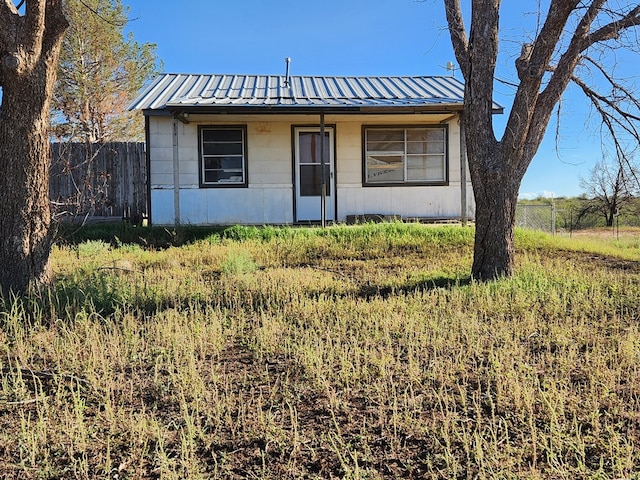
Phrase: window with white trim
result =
(405, 156)
(223, 156)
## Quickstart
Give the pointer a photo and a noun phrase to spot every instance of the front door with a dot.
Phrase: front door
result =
(308, 174)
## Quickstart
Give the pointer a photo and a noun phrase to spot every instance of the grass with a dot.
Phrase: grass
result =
(359, 352)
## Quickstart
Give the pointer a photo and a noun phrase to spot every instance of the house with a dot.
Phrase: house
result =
(259, 149)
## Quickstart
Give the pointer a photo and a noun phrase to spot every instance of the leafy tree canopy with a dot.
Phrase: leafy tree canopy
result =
(101, 70)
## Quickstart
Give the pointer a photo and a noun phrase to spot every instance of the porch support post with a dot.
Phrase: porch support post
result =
(176, 173)
(463, 174)
(323, 206)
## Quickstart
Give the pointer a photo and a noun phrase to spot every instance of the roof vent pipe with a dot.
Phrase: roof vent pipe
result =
(286, 79)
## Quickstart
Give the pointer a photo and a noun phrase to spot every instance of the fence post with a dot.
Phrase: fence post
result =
(571, 222)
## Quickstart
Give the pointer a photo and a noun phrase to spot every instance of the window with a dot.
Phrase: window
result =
(223, 157)
(412, 155)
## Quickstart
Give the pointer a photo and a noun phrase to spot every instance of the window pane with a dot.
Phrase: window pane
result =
(222, 176)
(417, 135)
(222, 148)
(382, 169)
(384, 161)
(425, 147)
(417, 147)
(427, 140)
(309, 144)
(391, 147)
(383, 135)
(223, 163)
(435, 147)
(426, 168)
(311, 180)
(435, 134)
(425, 135)
(222, 135)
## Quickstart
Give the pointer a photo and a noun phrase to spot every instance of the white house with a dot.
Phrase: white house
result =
(247, 149)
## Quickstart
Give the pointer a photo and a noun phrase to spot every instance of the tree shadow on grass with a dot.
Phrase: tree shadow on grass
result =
(158, 237)
(370, 291)
(106, 292)
(118, 233)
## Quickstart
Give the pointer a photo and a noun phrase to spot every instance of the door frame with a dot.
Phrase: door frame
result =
(332, 201)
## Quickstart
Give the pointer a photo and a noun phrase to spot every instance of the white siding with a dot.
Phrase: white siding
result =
(269, 198)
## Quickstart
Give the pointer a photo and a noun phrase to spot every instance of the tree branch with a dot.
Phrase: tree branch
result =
(611, 109)
(102, 17)
(523, 133)
(617, 86)
(478, 63)
(56, 24)
(612, 30)
(8, 17)
(33, 30)
(563, 71)
(613, 103)
(458, 34)
(609, 123)
(7, 7)
(544, 46)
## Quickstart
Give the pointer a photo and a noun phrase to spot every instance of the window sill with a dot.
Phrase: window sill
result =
(223, 185)
(408, 184)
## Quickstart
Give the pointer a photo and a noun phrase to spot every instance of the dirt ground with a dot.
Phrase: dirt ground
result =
(605, 233)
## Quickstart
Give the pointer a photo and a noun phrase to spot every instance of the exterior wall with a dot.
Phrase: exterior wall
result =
(269, 198)
(436, 202)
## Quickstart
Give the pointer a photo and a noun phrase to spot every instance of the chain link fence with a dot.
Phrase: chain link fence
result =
(567, 216)
(537, 217)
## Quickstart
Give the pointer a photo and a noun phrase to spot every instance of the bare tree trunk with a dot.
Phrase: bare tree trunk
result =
(545, 67)
(28, 63)
(609, 216)
(24, 187)
(494, 250)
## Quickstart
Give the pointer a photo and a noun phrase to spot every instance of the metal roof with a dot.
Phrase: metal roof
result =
(186, 92)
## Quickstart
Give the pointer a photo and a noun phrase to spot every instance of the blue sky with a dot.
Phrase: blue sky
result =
(357, 37)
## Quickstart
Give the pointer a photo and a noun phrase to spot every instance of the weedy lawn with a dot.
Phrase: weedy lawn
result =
(351, 352)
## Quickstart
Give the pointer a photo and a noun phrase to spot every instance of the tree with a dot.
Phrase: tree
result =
(30, 40)
(609, 188)
(101, 70)
(574, 35)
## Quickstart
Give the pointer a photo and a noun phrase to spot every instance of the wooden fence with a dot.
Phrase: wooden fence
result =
(90, 181)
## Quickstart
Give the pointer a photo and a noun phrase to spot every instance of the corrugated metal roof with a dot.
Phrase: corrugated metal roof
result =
(208, 92)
